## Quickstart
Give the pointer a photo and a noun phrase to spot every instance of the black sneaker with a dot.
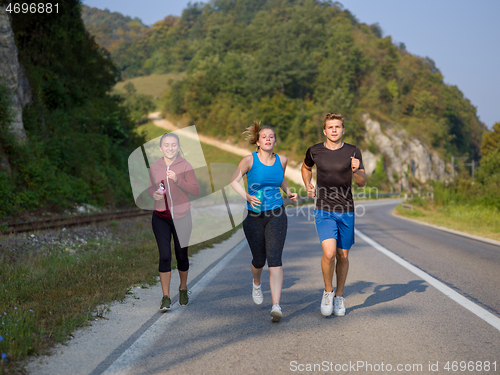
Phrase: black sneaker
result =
(165, 303)
(183, 297)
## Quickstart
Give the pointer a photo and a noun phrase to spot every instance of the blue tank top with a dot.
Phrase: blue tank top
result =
(267, 178)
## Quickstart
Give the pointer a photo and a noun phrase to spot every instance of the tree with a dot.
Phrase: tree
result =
(490, 162)
(130, 88)
(491, 140)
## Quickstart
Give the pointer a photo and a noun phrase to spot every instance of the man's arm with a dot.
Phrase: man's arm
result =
(360, 177)
(358, 174)
(306, 177)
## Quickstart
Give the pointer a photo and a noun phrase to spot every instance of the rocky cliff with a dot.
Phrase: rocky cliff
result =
(12, 74)
(401, 156)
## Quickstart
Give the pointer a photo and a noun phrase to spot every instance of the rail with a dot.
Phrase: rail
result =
(67, 221)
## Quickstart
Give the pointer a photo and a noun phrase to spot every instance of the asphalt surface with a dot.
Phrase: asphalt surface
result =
(396, 322)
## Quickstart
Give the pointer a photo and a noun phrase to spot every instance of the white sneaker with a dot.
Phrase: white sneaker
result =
(257, 294)
(276, 313)
(338, 308)
(327, 303)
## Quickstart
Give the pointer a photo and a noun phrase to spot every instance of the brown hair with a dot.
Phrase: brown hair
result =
(333, 116)
(253, 131)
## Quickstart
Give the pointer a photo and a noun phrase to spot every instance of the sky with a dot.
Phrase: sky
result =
(461, 36)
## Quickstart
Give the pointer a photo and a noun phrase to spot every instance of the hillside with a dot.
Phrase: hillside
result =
(110, 29)
(78, 136)
(287, 62)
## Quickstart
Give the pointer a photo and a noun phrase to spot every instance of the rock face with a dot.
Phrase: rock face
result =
(12, 74)
(401, 155)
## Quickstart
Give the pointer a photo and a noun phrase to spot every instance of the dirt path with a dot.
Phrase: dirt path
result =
(293, 174)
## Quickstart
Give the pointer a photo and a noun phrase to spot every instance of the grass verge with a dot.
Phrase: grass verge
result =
(154, 84)
(47, 294)
(477, 220)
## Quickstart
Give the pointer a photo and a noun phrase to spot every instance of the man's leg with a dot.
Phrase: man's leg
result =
(328, 262)
(328, 266)
(342, 268)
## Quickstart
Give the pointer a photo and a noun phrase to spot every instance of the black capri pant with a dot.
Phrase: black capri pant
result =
(164, 229)
(266, 232)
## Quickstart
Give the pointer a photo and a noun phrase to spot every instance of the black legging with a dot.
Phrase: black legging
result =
(164, 229)
(266, 233)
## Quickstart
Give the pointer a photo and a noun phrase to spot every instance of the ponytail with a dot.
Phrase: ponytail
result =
(253, 131)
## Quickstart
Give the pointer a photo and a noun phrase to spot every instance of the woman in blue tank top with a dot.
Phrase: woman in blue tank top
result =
(265, 223)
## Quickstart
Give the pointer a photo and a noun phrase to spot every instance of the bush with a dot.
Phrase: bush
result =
(139, 106)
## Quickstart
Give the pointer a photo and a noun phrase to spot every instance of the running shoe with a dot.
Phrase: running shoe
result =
(276, 313)
(183, 297)
(327, 303)
(339, 307)
(165, 303)
(257, 296)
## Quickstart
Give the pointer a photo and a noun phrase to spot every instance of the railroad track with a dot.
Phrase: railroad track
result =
(67, 221)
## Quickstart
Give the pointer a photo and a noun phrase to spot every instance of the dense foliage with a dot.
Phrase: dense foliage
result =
(79, 137)
(481, 192)
(287, 62)
(138, 105)
(489, 172)
(110, 29)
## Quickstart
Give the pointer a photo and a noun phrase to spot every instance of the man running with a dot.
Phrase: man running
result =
(337, 163)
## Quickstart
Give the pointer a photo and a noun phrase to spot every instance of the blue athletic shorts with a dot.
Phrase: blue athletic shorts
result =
(337, 225)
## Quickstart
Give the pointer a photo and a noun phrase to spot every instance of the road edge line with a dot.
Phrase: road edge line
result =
(447, 291)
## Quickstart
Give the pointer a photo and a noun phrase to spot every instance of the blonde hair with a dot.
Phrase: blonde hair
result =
(333, 116)
(253, 132)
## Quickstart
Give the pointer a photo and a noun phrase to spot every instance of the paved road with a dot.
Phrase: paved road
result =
(417, 299)
(470, 267)
(395, 323)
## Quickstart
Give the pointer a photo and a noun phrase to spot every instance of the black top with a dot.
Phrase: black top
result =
(334, 174)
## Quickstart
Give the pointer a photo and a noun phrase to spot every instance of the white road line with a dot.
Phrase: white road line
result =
(447, 291)
(124, 364)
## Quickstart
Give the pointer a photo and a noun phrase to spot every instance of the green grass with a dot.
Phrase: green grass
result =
(477, 220)
(154, 84)
(46, 295)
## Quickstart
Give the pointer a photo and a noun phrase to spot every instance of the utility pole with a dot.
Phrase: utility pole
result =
(409, 166)
(473, 165)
